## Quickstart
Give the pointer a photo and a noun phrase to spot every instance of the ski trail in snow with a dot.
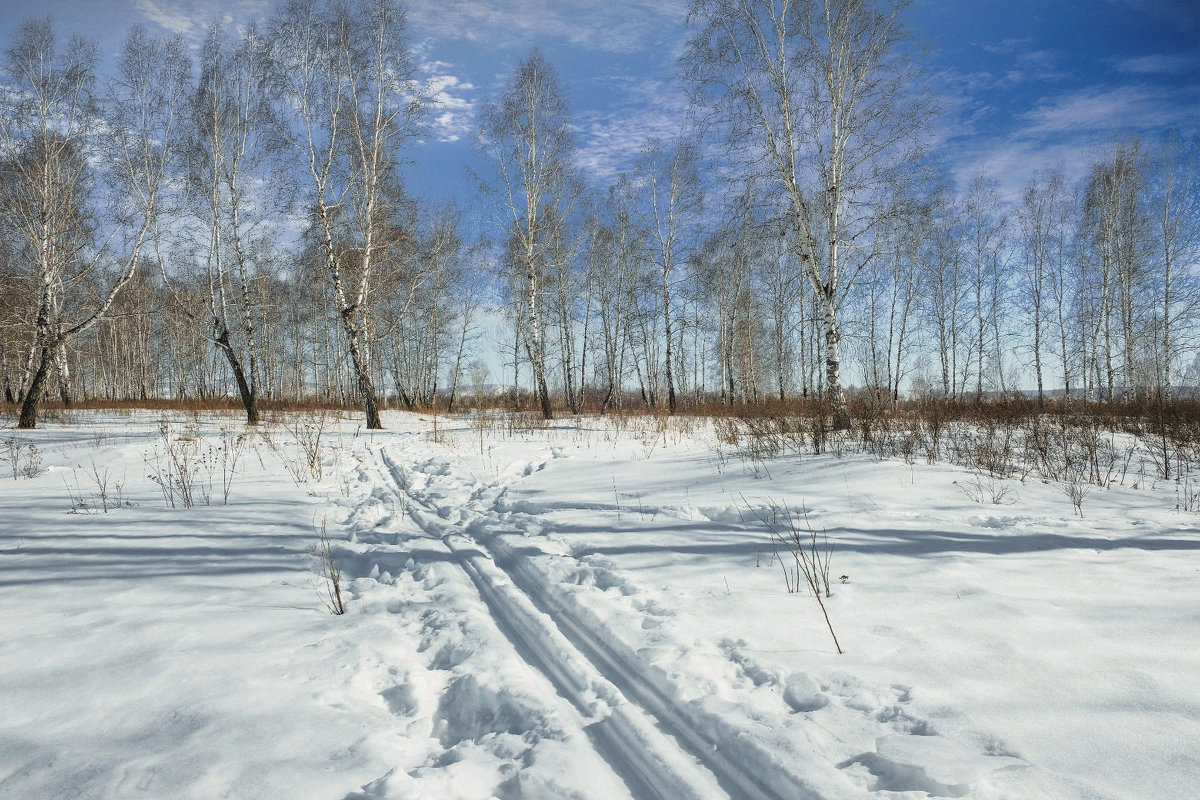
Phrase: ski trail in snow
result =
(644, 732)
(624, 736)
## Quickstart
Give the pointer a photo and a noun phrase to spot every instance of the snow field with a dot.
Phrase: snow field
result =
(586, 612)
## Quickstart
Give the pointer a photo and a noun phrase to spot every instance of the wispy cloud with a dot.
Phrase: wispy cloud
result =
(1006, 45)
(1099, 108)
(962, 100)
(611, 140)
(1028, 63)
(190, 18)
(618, 26)
(1067, 131)
(452, 107)
(170, 15)
(1013, 162)
(1159, 64)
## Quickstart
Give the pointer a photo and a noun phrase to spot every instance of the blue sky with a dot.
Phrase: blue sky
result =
(1024, 84)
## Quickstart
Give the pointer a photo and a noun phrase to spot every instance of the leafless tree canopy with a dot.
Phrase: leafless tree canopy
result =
(235, 221)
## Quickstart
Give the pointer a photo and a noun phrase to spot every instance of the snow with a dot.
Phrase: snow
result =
(589, 610)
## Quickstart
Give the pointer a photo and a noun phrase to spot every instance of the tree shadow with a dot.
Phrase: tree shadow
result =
(730, 539)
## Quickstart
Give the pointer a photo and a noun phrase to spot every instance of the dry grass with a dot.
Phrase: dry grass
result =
(1148, 414)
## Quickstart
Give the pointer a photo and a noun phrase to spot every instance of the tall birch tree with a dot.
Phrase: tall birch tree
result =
(348, 83)
(673, 201)
(49, 128)
(821, 92)
(527, 133)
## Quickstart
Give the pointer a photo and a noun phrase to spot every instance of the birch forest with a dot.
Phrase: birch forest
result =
(234, 225)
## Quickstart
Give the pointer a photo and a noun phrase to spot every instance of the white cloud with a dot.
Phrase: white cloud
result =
(1067, 131)
(611, 140)
(1099, 108)
(452, 109)
(1027, 64)
(1012, 162)
(618, 26)
(190, 18)
(1158, 64)
(171, 16)
(959, 97)
(1006, 45)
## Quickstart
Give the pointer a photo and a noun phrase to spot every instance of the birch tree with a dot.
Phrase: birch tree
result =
(819, 91)
(904, 247)
(1116, 227)
(615, 246)
(347, 81)
(1042, 218)
(433, 299)
(49, 134)
(673, 201)
(527, 134)
(1062, 223)
(231, 121)
(1175, 220)
(784, 296)
(984, 224)
(944, 295)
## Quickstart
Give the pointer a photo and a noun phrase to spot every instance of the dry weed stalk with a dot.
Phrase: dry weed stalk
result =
(329, 577)
(24, 458)
(181, 466)
(809, 554)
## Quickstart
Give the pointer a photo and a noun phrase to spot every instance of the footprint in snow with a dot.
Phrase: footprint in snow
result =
(401, 700)
(930, 764)
(802, 693)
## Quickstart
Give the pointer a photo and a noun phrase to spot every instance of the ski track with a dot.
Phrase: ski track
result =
(660, 746)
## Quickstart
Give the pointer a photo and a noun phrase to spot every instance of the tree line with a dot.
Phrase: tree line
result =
(237, 223)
